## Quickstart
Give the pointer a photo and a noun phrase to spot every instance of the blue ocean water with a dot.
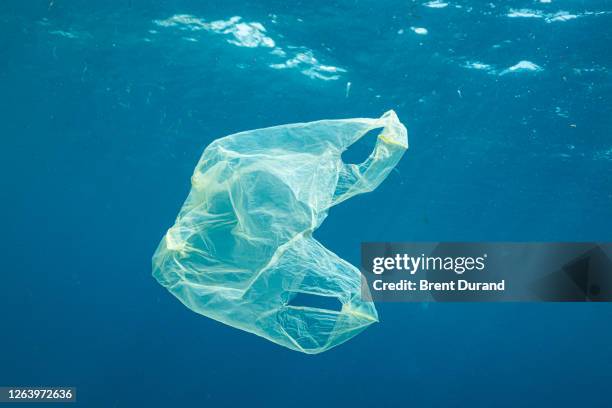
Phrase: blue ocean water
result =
(107, 106)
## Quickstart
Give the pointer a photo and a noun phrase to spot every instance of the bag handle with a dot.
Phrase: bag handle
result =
(390, 146)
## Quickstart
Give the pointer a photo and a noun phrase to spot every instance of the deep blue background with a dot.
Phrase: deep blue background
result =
(102, 122)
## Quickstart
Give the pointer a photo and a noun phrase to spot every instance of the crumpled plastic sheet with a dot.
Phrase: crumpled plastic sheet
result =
(242, 248)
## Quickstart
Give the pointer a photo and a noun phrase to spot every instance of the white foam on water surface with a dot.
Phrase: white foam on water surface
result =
(480, 66)
(522, 66)
(524, 13)
(559, 16)
(250, 35)
(310, 66)
(419, 30)
(65, 34)
(254, 35)
(241, 34)
(436, 4)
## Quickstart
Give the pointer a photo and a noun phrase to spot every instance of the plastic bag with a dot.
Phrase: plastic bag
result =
(242, 249)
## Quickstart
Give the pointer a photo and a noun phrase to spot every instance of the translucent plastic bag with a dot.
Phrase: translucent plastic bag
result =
(242, 249)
